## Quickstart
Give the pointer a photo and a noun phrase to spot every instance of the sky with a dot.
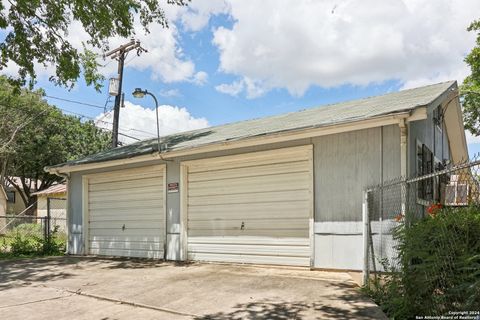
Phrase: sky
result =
(223, 61)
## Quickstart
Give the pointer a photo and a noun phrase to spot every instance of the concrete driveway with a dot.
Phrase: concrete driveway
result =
(93, 288)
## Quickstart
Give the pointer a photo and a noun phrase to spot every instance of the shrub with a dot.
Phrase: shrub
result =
(28, 239)
(440, 266)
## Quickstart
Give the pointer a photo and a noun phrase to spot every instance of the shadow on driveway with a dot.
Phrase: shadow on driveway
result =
(47, 269)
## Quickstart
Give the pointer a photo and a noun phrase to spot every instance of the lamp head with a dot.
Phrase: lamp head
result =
(139, 93)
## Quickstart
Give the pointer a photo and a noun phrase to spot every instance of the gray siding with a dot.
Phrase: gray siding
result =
(346, 163)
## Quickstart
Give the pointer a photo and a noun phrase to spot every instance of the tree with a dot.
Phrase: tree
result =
(34, 134)
(37, 32)
(470, 89)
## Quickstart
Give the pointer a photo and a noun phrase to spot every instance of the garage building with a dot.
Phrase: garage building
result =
(284, 190)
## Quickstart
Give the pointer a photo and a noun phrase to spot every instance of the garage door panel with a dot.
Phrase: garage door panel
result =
(127, 194)
(150, 254)
(126, 232)
(252, 159)
(257, 224)
(126, 238)
(126, 213)
(264, 197)
(248, 210)
(137, 217)
(251, 171)
(251, 250)
(129, 224)
(113, 186)
(129, 245)
(139, 190)
(284, 182)
(135, 205)
(294, 233)
(116, 212)
(120, 176)
(257, 259)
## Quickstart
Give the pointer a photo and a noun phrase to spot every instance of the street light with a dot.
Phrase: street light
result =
(139, 93)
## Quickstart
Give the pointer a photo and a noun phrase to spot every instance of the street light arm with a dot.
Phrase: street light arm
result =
(139, 93)
(156, 114)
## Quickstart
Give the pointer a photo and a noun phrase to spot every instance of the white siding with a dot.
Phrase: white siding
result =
(250, 208)
(126, 212)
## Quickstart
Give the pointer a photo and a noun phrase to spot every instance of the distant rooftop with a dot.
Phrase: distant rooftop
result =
(56, 188)
(323, 116)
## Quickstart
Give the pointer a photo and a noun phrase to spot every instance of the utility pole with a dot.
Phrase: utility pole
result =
(120, 54)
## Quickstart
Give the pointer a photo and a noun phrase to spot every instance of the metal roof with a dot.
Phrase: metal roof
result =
(328, 115)
(56, 188)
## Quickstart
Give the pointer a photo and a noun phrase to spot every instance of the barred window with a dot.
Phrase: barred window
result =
(425, 164)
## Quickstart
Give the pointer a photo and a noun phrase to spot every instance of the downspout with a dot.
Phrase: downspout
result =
(403, 161)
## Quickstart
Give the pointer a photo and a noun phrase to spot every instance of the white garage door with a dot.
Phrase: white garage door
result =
(250, 208)
(126, 212)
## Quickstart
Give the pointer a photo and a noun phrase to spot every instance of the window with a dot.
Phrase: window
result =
(425, 163)
(10, 196)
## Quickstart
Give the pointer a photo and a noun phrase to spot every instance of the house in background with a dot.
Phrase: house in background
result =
(15, 204)
(283, 190)
(53, 199)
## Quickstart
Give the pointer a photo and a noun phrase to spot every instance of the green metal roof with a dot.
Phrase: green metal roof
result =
(328, 115)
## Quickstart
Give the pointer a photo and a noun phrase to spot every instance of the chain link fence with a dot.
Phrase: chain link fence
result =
(42, 233)
(395, 209)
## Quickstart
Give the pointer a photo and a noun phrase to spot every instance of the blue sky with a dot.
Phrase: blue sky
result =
(225, 61)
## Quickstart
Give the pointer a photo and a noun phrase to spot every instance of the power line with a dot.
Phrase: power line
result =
(74, 101)
(103, 121)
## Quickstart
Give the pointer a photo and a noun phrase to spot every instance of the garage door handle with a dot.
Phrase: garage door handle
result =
(123, 227)
(242, 227)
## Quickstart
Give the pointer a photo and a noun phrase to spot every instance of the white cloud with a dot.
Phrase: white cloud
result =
(277, 44)
(170, 93)
(200, 78)
(197, 15)
(139, 122)
(232, 89)
(253, 88)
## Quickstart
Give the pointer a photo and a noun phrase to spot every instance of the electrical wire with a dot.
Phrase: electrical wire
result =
(110, 123)
(74, 101)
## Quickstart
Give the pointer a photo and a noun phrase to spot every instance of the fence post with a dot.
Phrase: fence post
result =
(48, 220)
(365, 218)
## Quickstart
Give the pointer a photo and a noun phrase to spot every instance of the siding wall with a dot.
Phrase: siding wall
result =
(344, 164)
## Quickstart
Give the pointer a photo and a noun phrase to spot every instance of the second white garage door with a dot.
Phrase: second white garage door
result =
(126, 212)
(250, 208)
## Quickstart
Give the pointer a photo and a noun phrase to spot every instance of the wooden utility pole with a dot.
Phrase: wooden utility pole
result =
(120, 54)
